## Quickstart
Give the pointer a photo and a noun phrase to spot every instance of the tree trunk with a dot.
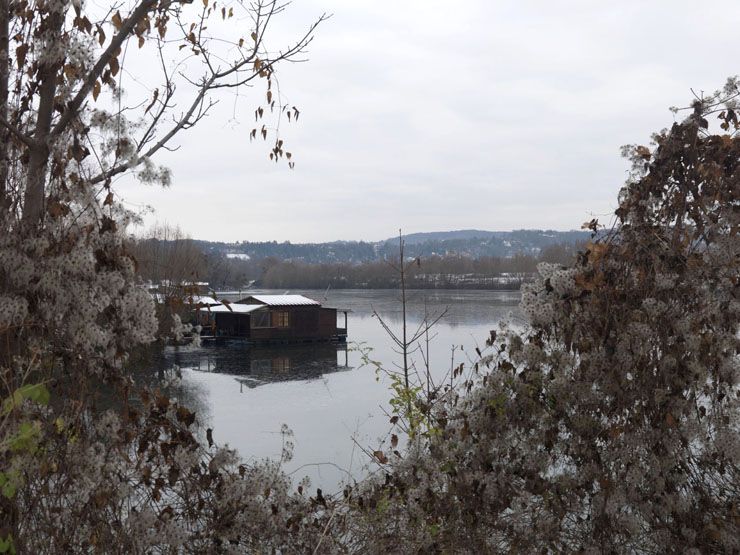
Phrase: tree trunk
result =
(33, 200)
(4, 73)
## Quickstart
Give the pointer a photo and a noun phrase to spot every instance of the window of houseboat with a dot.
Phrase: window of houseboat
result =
(280, 319)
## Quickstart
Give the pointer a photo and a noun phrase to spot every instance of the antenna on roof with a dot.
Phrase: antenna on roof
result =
(327, 292)
(288, 291)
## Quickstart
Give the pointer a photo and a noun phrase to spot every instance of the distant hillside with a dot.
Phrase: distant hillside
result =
(468, 243)
(414, 238)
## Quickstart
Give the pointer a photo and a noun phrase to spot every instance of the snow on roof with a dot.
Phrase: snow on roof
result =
(283, 300)
(200, 299)
(235, 308)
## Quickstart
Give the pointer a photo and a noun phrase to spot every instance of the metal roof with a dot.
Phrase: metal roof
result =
(236, 308)
(282, 300)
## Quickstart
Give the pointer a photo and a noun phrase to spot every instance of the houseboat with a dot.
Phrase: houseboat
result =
(269, 319)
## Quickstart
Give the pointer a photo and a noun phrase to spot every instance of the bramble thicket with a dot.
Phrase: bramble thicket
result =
(610, 424)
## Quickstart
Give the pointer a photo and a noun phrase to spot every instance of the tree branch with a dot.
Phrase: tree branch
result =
(25, 139)
(127, 27)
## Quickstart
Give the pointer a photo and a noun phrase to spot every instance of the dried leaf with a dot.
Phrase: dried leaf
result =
(70, 71)
(380, 456)
(185, 416)
(117, 21)
(670, 420)
(114, 67)
(101, 35)
(57, 209)
(154, 100)
(20, 54)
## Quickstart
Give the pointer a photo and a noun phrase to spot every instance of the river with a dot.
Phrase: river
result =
(332, 403)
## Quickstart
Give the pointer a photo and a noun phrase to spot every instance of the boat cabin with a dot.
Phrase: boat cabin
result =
(272, 319)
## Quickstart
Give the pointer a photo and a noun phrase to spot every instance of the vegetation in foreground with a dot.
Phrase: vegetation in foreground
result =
(609, 425)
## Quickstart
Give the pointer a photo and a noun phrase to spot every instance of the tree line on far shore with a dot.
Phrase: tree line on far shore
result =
(167, 255)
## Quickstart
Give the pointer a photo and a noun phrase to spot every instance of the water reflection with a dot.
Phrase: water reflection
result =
(324, 394)
(254, 366)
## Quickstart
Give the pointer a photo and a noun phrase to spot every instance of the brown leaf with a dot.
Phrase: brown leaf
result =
(57, 209)
(96, 90)
(117, 21)
(670, 420)
(108, 199)
(101, 35)
(185, 416)
(394, 440)
(70, 71)
(382, 459)
(114, 67)
(643, 152)
(154, 99)
(20, 54)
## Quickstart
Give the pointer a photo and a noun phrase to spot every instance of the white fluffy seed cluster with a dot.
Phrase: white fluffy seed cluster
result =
(152, 174)
(540, 304)
(80, 53)
(93, 312)
(564, 281)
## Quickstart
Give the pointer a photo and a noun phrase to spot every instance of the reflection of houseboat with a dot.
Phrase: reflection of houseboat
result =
(253, 366)
(264, 319)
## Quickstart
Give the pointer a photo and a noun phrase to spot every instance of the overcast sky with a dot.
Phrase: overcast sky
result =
(435, 116)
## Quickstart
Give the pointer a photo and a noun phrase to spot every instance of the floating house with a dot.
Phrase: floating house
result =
(264, 319)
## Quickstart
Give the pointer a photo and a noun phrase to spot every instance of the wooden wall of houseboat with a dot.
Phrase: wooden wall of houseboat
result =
(232, 324)
(328, 321)
(305, 322)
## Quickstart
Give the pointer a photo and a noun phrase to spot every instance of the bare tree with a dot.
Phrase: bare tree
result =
(55, 137)
(408, 341)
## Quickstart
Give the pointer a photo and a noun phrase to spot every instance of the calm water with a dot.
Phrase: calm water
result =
(323, 393)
